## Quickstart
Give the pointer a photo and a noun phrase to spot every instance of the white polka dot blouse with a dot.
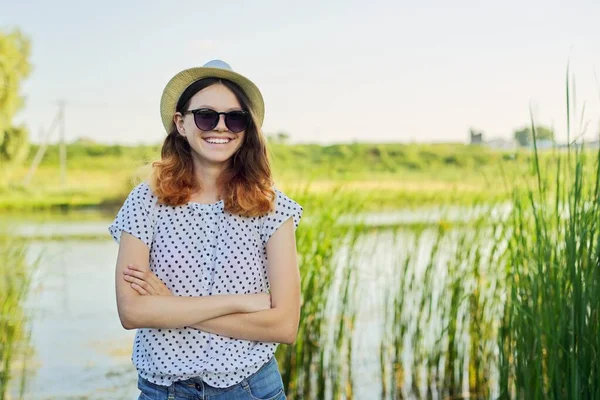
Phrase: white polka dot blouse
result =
(200, 250)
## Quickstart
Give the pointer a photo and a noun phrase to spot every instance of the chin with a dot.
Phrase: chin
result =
(216, 160)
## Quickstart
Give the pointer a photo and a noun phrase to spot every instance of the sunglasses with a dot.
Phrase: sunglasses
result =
(207, 119)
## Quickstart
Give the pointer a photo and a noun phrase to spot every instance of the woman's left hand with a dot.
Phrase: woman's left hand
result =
(144, 281)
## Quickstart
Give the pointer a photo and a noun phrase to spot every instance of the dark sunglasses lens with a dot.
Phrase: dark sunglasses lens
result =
(236, 121)
(206, 120)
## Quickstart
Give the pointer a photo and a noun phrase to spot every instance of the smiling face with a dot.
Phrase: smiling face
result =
(220, 98)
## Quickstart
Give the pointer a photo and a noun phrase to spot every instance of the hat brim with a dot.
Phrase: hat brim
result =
(176, 86)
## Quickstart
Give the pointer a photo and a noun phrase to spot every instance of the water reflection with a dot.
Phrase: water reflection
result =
(81, 350)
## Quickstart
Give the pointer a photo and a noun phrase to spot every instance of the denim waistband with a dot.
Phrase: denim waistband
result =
(198, 384)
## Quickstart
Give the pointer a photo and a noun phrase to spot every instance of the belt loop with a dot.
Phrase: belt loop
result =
(244, 384)
(171, 391)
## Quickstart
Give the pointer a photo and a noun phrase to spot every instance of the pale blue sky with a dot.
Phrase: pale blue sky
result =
(330, 71)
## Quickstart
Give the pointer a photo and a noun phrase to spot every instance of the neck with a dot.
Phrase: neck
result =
(206, 175)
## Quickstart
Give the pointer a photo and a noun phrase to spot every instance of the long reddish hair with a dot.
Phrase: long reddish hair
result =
(245, 186)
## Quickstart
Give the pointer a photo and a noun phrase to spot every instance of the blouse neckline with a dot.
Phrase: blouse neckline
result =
(218, 206)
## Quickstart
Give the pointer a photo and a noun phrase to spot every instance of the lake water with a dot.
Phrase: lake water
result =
(81, 349)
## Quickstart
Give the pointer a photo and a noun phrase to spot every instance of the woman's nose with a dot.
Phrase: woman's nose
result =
(221, 125)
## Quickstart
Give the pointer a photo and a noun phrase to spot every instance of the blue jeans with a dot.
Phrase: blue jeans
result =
(264, 384)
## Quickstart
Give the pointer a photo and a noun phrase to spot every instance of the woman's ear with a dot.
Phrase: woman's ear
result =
(178, 120)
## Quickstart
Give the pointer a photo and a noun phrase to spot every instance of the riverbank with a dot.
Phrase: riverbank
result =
(385, 176)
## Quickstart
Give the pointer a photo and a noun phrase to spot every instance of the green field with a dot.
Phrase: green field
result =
(392, 175)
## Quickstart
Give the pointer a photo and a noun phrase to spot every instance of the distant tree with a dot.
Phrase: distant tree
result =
(15, 49)
(282, 137)
(15, 145)
(525, 137)
(522, 136)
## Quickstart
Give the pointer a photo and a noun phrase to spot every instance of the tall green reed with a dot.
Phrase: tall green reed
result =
(440, 319)
(550, 331)
(315, 363)
(502, 307)
(513, 303)
(15, 330)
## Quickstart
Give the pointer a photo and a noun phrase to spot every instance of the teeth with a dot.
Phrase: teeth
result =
(222, 141)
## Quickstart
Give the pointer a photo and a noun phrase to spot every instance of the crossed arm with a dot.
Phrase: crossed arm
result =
(227, 315)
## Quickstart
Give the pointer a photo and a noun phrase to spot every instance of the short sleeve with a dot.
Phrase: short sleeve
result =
(134, 216)
(285, 207)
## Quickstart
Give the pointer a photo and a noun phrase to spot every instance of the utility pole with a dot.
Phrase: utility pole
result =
(38, 155)
(59, 121)
(63, 147)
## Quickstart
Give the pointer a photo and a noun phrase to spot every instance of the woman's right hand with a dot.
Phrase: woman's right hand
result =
(256, 302)
(144, 281)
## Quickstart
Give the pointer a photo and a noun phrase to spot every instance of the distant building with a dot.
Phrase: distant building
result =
(502, 144)
(542, 144)
(476, 137)
(495, 143)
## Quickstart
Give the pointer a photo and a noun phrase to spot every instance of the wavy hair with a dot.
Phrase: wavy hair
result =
(245, 186)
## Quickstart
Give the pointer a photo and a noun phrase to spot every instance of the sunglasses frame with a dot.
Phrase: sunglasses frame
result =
(226, 114)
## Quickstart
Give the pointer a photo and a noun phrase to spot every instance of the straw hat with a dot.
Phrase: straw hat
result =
(212, 69)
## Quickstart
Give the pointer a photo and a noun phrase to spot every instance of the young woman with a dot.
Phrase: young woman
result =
(206, 269)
